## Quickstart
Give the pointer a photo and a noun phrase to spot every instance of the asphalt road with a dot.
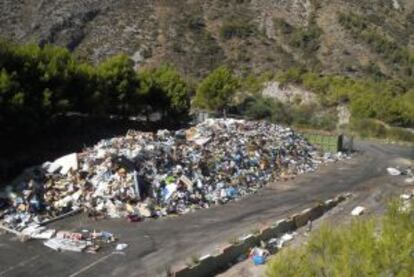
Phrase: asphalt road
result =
(155, 245)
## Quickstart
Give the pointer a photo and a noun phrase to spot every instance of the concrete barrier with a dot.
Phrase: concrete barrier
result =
(302, 218)
(329, 204)
(284, 226)
(316, 212)
(209, 265)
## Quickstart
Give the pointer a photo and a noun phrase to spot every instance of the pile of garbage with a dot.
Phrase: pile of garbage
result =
(144, 175)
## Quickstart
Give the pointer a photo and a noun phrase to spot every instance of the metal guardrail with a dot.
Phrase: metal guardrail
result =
(324, 142)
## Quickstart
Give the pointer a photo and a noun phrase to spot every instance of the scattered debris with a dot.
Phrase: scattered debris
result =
(278, 243)
(407, 199)
(410, 174)
(393, 171)
(357, 211)
(17, 233)
(60, 244)
(47, 234)
(60, 216)
(309, 226)
(406, 196)
(63, 164)
(69, 235)
(121, 246)
(87, 241)
(36, 231)
(259, 255)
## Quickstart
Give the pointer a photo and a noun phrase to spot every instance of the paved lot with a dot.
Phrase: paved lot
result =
(155, 245)
(372, 194)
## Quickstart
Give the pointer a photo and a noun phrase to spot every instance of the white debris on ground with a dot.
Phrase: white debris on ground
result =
(407, 200)
(280, 242)
(66, 244)
(62, 165)
(357, 211)
(404, 172)
(152, 175)
(36, 231)
(86, 241)
(259, 255)
(393, 171)
(121, 246)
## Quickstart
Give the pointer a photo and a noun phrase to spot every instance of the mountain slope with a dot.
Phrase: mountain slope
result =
(351, 37)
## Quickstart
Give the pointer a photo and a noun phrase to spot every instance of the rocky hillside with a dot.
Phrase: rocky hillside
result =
(352, 37)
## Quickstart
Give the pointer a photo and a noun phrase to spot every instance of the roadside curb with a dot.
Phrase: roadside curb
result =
(231, 253)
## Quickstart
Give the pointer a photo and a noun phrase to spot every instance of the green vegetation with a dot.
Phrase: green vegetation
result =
(40, 84)
(394, 53)
(198, 47)
(305, 40)
(367, 247)
(236, 29)
(303, 116)
(388, 100)
(37, 84)
(282, 26)
(215, 92)
(118, 85)
(164, 91)
(371, 128)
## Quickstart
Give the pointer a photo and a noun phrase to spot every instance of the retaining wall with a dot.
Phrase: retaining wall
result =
(208, 265)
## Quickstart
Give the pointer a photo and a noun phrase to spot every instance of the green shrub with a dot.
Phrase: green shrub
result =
(284, 27)
(305, 116)
(366, 247)
(254, 84)
(306, 39)
(314, 117)
(370, 128)
(401, 134)
(236, 29)
(292, 75)
(362, 29)
(195, 22)
(261, 108)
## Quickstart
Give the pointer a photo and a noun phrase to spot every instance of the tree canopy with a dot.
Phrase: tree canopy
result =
(39, 83)
(216, 90)
(165, 91)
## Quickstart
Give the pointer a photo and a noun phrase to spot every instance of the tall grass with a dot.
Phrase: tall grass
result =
(371, 128)
(366, 247)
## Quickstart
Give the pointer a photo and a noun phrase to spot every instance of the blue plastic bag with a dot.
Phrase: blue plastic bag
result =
(258, 260)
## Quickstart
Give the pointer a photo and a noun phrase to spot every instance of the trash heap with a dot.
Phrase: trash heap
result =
(144, 175)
